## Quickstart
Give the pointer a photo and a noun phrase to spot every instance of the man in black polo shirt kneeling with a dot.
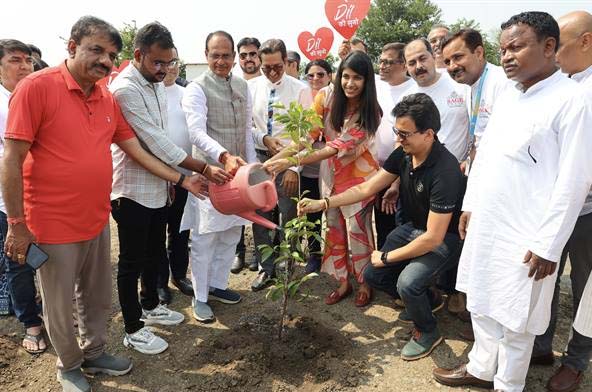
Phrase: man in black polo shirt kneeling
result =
(431, 192)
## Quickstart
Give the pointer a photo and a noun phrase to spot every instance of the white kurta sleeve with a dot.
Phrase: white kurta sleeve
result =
(249, 139)
(195, 106)
(573, 179)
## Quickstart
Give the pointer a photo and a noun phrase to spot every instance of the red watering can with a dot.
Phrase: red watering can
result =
(252, 188)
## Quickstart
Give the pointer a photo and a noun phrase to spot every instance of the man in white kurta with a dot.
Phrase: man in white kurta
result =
(526, 189)
(217, 106)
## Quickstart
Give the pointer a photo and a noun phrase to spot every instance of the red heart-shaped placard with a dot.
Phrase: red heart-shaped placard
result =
(316, 46)
(346, 16)
(106, 81)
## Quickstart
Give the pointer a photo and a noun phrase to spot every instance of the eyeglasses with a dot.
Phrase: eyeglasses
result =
(388, 63)
(319, 75)
(276, 68)
(164, 64)
(216, 57)
(404, 134)
(244, 55)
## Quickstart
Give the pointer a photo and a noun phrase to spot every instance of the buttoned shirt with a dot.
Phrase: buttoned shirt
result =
(4, 97)
(287, 90)
(144, 106)
(585, 79)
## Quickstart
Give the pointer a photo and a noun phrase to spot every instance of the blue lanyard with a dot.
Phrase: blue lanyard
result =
(475, 105)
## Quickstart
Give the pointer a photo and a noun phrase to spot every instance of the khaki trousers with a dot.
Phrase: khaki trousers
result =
(81, 270)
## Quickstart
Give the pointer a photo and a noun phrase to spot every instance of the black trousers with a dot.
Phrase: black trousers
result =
(177, 243)
(141, 232)
(312, 186)
(383, 222)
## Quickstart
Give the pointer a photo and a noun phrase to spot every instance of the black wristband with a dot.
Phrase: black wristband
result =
(383, 258)
(181, 179)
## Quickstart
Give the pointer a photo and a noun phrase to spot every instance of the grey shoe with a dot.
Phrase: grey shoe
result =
(107, 364)
(202, 312)
(73, 381)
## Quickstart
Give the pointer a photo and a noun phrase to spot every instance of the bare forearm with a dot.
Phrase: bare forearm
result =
(288, 151)
(423, 244)
(12, 186)
(317, 155)
(193, 164)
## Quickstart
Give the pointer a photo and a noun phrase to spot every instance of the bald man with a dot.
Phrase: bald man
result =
(575, 59)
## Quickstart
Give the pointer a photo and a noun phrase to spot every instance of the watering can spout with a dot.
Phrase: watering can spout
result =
(258, 219)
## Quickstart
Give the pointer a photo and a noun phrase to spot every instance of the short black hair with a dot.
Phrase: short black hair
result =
(90, 25)
(422, 110)
(223, 34)
(397, 47)
(248, 41)
(35, 49)
(272, 46)
(543, 24)
(294, 56)
(471, 37)
(320, 63)
(13, 45)
(425, 42)
(153, 33)
(38, 65)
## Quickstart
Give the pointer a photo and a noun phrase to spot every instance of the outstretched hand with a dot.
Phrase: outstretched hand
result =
(197, 185)
(307, 206)
(276, 166)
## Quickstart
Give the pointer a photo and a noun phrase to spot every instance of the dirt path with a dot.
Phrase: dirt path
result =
(336, 348)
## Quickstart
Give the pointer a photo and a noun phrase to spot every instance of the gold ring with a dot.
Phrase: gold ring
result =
(20, 257)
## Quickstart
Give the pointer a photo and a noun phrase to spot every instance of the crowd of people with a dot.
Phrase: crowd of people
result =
(474, 178)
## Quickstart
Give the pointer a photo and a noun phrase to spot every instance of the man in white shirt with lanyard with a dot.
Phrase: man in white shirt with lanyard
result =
(575, 59)
(526, 189)
(394, 82)
(274, 86)
(449, 96)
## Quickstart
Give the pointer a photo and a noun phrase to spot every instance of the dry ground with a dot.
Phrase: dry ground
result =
(336, 348)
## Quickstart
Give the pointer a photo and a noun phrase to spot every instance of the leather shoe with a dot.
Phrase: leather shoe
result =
(458, 377)
(252, 265)
(164, 295)
(467, 333)
(335, 297)
(262, 281)
(184, 285)
(363, 298)
(543, 359)
(238, 264)
(565, 379)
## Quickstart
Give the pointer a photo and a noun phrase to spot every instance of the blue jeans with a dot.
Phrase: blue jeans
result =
(410, 280)
(21, 284)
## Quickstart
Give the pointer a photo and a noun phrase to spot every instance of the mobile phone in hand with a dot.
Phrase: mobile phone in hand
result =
(35, 256)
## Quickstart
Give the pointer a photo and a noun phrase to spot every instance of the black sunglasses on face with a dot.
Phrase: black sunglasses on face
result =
(244, 55)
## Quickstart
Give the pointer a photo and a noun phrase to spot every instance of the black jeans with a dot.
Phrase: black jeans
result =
(177, 243)
(21, 284)
(141, 233)
(410, 280)
(241, 249)
(383, 222)
(312, 186)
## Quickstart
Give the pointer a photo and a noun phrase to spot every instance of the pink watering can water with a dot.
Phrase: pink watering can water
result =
(252, 188)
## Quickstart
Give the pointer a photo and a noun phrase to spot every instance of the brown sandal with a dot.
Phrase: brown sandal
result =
(335, 297)
(37, 339)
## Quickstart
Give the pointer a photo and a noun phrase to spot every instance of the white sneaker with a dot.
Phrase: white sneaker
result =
(161, 315)
(145, 341)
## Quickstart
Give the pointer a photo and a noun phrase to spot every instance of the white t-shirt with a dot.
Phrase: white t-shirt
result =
(177, 124)
(4, 97)
(388, 96)
(495, 82)
(451, 99)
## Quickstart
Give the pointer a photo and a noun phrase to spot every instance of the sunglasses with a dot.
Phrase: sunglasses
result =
(244, 55)
(404, 134)
(276, 68)
(319, 75)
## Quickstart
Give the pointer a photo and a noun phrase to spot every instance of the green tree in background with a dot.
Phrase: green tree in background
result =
(128, 34)
(397, 21)
(491, 45)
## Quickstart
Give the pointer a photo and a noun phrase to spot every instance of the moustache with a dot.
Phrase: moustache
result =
(420, 71)
(104, 68)
(457, 71)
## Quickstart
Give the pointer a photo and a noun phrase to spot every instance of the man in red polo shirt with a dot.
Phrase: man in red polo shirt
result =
(56, 185)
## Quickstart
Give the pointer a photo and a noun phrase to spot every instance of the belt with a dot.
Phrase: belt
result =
(267, 153)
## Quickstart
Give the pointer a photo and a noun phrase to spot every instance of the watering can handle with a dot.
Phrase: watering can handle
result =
(271, 195)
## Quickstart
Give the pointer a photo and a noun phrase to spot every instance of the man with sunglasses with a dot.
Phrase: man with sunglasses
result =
(275, 86)
(139, 200)
(392, 71)
(248, 57)
(414, 253)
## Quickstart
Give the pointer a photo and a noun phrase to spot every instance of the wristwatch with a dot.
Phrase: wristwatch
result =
(383, 258)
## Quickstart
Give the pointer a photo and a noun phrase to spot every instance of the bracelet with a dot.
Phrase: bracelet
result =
(181, 179)
(15, 221)
(326, 199)
(204, 169)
